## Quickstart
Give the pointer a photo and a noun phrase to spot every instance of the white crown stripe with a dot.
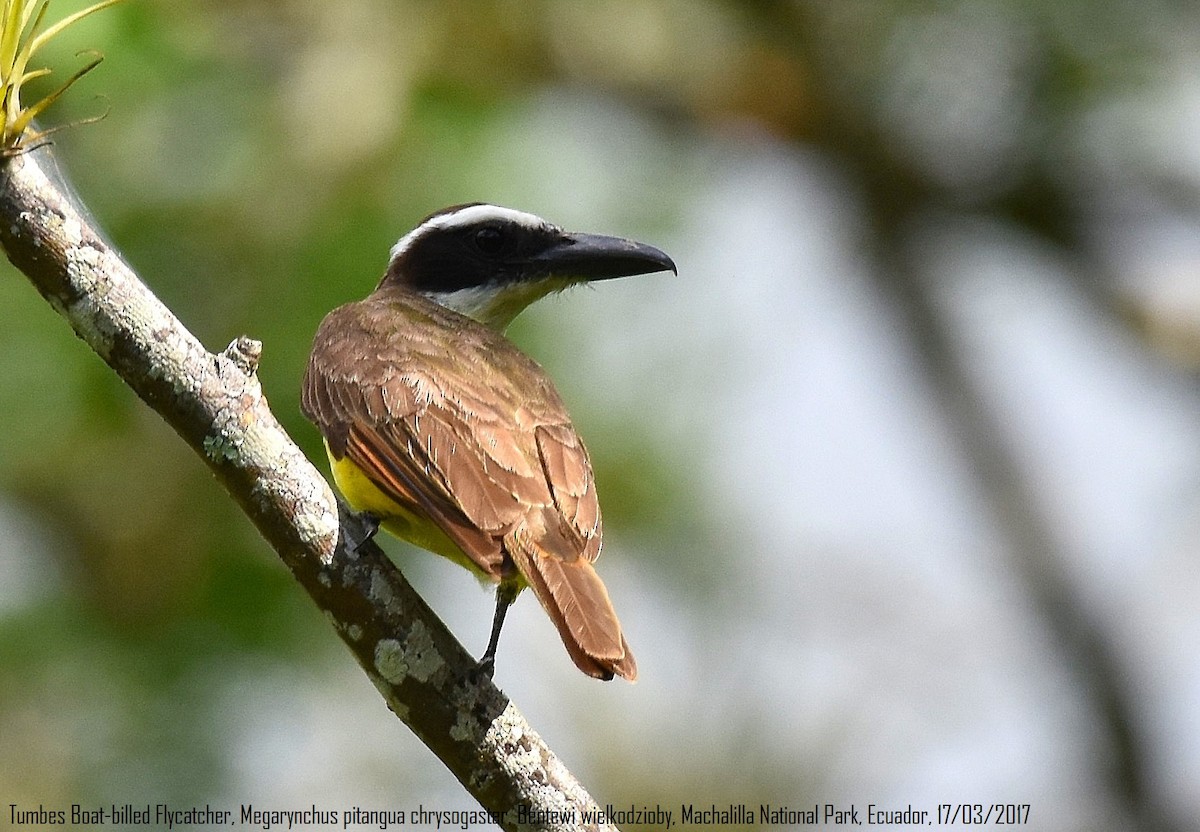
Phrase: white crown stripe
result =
(465, 217)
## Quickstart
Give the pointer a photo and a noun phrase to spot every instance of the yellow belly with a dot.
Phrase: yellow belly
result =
(364, 495)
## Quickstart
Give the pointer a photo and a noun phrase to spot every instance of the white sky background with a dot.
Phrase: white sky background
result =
(878, 623)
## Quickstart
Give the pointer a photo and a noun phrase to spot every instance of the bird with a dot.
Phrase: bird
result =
(445, 434)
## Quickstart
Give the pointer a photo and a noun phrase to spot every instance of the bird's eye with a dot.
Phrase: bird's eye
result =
(491, 240)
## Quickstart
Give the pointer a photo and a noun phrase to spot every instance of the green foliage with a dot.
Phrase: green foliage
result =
(21, 37)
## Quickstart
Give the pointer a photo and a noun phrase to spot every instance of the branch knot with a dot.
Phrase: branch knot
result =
(245, 353)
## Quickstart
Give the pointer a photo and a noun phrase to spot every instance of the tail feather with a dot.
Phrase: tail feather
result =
(577, 602)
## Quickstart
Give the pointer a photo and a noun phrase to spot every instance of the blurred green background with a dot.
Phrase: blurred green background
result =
(901, 475)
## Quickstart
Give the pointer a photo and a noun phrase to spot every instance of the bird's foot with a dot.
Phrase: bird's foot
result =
(368, 525)
(357, 527)
(486, 666)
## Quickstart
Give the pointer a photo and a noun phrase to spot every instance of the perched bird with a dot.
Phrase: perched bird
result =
(439, 428)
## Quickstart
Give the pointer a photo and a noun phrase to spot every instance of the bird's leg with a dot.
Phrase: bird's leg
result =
(506, 593)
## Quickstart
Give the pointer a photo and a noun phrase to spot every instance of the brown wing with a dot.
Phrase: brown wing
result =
(476, 439)
(424, 422)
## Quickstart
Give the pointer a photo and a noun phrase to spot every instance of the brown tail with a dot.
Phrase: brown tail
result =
(575, 599)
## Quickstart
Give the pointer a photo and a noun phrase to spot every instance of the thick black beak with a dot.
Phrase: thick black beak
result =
(596, 257)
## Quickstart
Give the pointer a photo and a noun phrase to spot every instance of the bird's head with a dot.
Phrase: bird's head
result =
(489, 262)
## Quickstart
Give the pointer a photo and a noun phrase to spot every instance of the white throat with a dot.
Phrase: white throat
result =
(496, 305)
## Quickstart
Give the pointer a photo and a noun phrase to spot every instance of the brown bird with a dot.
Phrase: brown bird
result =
(439, 428)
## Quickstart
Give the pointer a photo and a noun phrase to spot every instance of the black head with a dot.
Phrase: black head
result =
(490, 262)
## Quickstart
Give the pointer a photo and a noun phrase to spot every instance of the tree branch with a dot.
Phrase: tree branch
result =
(215, 403)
